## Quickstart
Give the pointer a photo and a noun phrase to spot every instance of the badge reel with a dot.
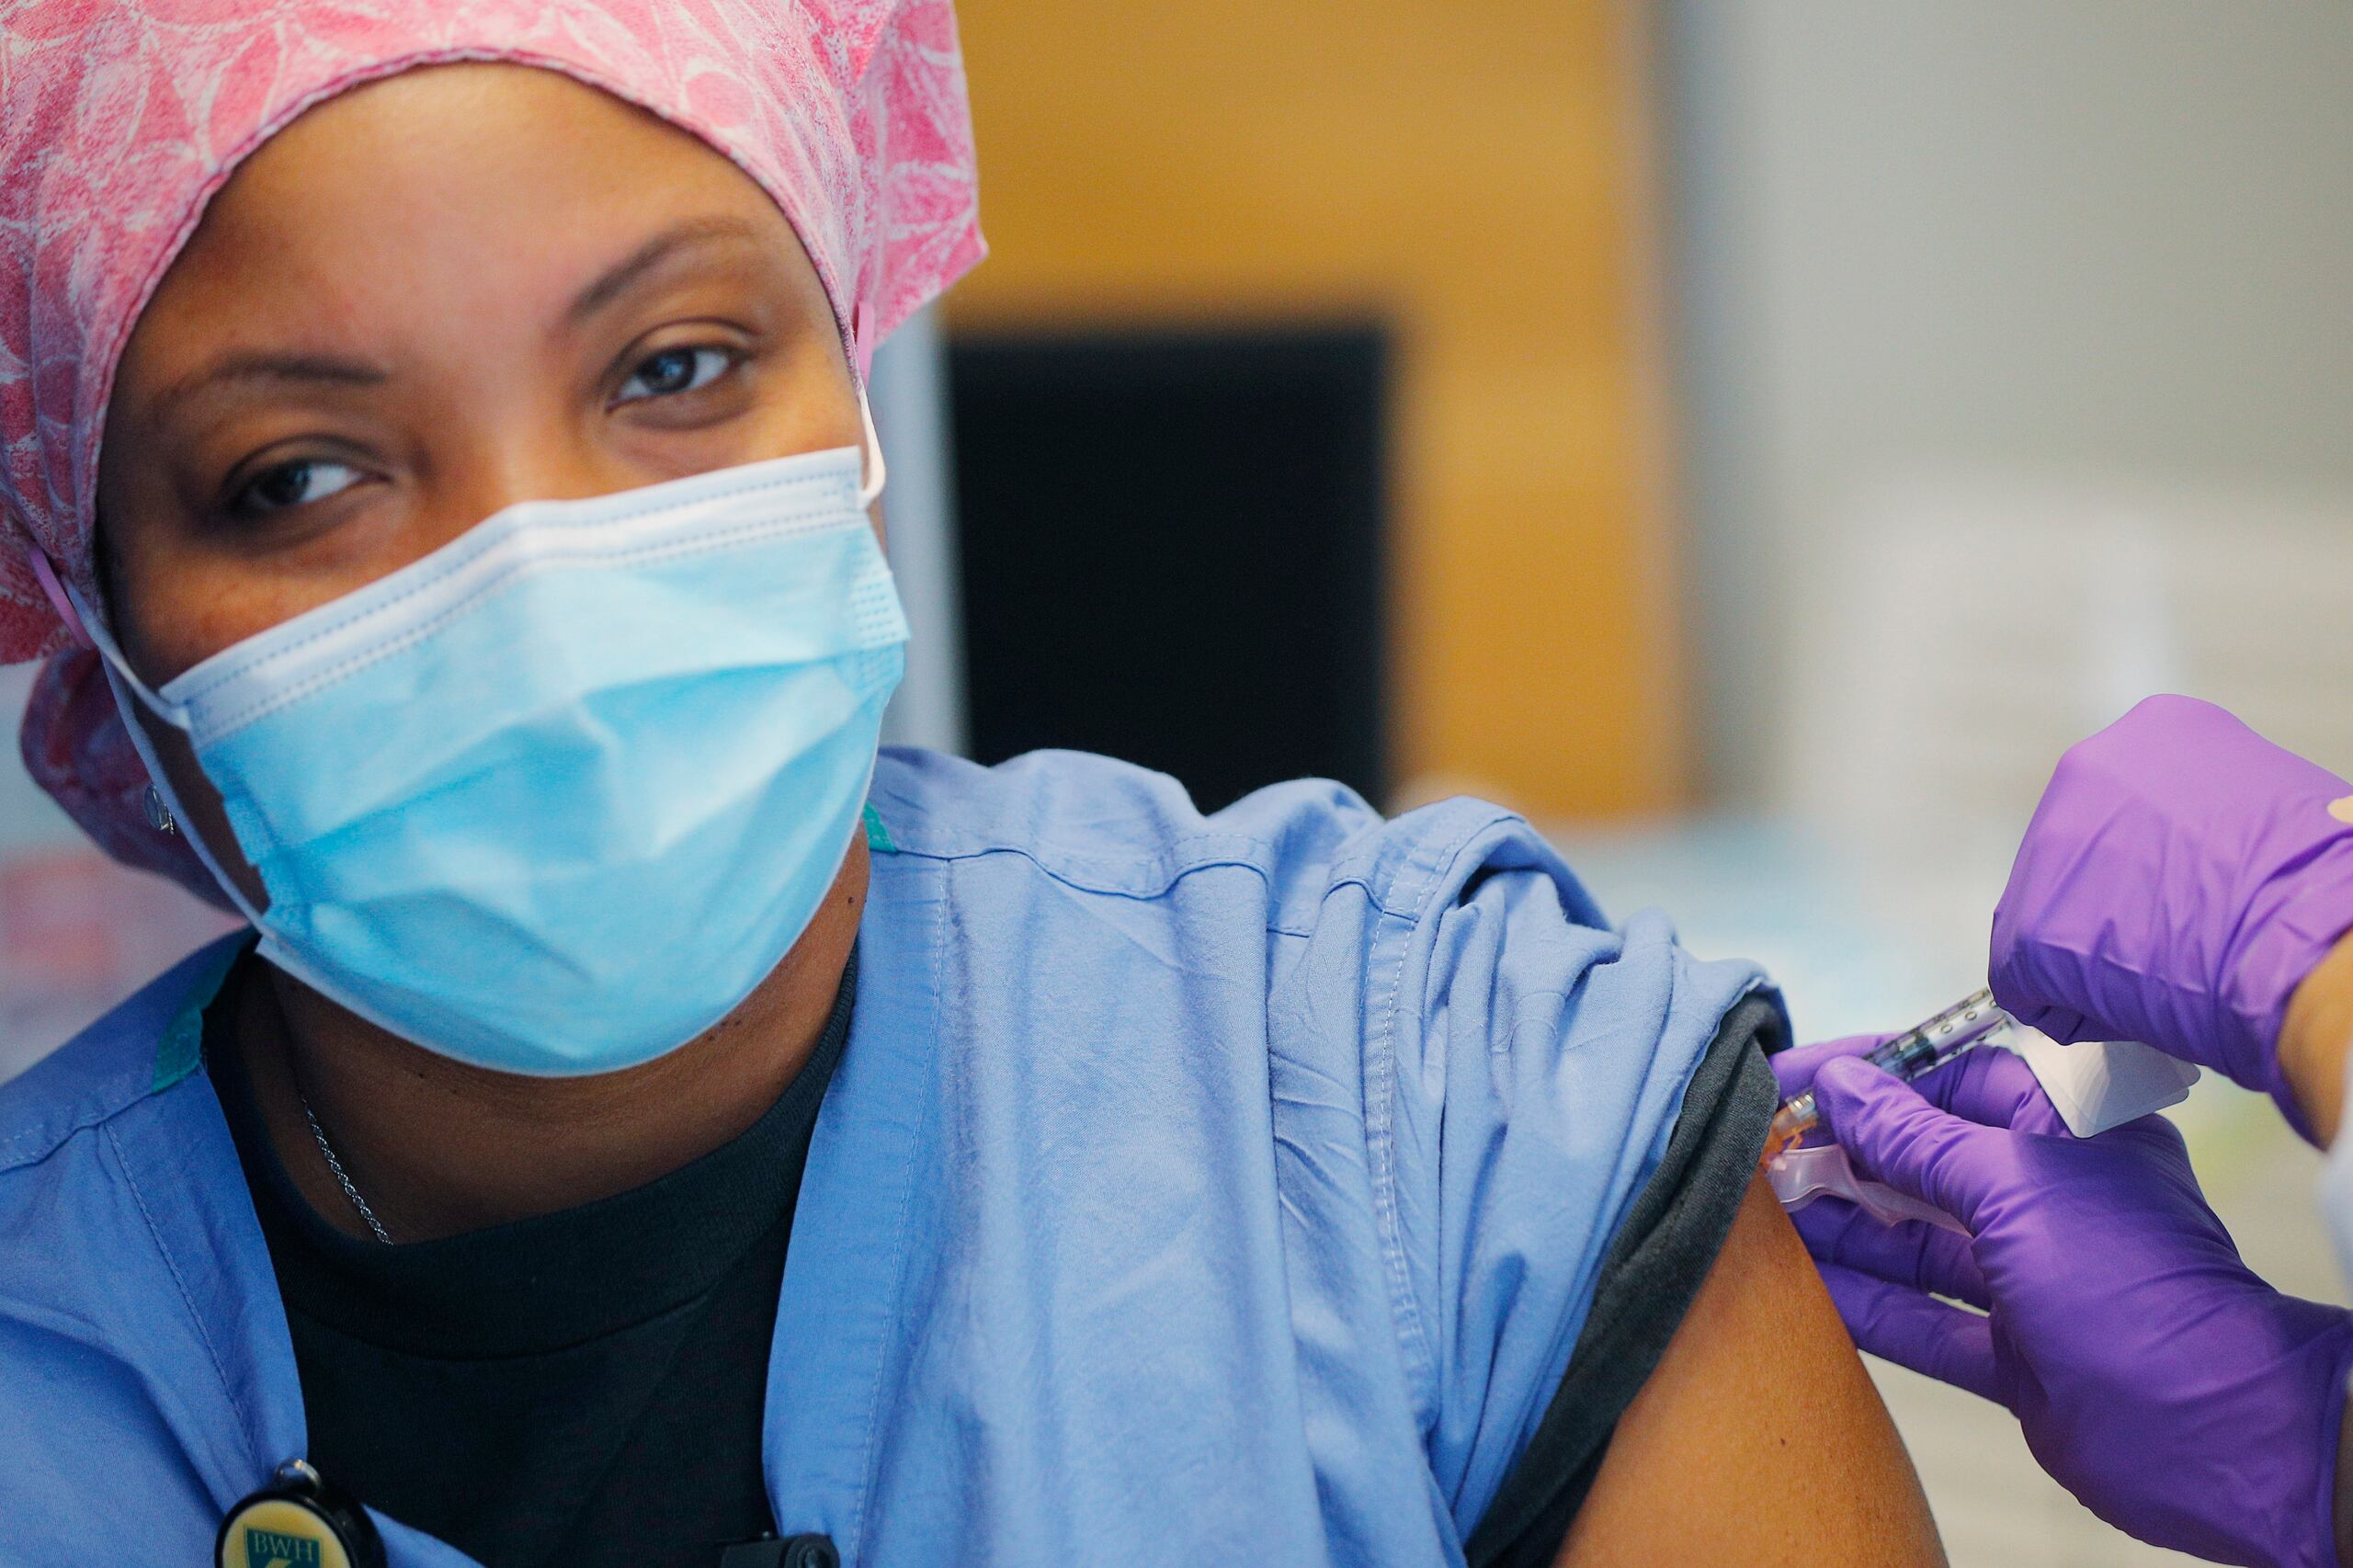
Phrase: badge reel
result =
(299, 1520)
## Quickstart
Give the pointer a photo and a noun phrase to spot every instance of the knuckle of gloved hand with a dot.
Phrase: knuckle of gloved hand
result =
(1863, 1306)
(2112, 759)
(1927, 1159)
(2082, 766)
(1825, 1224)
(1795, 1070)
(2166, 712)
(1855, 1095)
(1933, 1157)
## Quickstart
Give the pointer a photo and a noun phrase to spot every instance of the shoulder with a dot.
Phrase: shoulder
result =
(146, 1043)
(112, 1314)
(1523, 1063)
(1096, 824)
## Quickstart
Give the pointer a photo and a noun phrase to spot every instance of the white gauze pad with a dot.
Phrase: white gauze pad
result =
(2100, 1083)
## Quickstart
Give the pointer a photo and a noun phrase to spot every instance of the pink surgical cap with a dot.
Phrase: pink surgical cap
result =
(119, 120)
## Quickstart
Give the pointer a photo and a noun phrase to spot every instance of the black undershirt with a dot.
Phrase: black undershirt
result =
(1649, 1277)
(588, 1387)
(585, 1388)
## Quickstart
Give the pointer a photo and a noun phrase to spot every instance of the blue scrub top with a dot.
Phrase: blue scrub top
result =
(1225, 1188)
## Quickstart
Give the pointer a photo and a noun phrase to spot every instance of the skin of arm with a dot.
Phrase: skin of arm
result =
(2314, 1038)
(2312, 1046)
(1758, 1439)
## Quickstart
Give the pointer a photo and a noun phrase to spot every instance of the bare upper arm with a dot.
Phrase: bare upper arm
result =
(1758, 1439)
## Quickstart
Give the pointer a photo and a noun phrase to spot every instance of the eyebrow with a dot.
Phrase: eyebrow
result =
(288, 368)
(617, 279)
(276, 366)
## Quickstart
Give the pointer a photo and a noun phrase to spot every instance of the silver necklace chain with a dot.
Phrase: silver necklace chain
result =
(350, 1191)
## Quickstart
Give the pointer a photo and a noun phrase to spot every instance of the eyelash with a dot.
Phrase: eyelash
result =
(731, 359)
(242, 501)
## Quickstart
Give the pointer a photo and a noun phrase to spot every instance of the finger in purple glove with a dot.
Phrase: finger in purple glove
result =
(1794, 1069)
(1949, 1343)
(1897, 1137)
(1919, 1256)
(1993, 1087)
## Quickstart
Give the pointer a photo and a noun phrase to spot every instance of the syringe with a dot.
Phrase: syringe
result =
(1964, 1024)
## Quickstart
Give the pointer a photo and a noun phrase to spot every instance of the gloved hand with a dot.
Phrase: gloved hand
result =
(2181, 1398)
(2180, 877)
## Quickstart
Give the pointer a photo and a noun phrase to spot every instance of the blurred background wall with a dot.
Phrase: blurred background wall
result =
(1753, 437)
(2083, 262)
(1473, 179)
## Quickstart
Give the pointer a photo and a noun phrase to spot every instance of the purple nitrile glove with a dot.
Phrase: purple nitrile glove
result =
(2179, 878)
(2178, 1395)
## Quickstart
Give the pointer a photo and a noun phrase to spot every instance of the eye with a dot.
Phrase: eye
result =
(287, 485)
(676, 371)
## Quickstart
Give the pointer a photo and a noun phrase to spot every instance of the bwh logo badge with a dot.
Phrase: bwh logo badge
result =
(270, 1548)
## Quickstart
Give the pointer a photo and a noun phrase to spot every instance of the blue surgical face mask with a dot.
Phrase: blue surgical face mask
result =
(557, 797)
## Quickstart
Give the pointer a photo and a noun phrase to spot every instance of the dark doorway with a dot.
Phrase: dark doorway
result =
(1171, 548)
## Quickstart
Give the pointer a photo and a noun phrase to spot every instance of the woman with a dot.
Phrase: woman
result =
(642, 1120)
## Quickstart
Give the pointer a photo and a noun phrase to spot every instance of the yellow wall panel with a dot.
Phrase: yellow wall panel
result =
(1468, 170)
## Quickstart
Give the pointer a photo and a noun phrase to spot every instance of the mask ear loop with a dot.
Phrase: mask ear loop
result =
(46, 575)
(122, 683)
(125, 687)
(861, 354)
(861, 341)
(94, 634)
(877, 475)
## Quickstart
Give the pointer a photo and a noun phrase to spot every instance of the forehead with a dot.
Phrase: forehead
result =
(480, 179)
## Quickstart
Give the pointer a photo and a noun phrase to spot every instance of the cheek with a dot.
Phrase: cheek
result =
(171, 601)
(807, 402)
(178, 594)
(172, 612)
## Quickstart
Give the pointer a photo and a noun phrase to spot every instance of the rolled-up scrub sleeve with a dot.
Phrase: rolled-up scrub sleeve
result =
(1662, 1255)
(1545, 1228)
